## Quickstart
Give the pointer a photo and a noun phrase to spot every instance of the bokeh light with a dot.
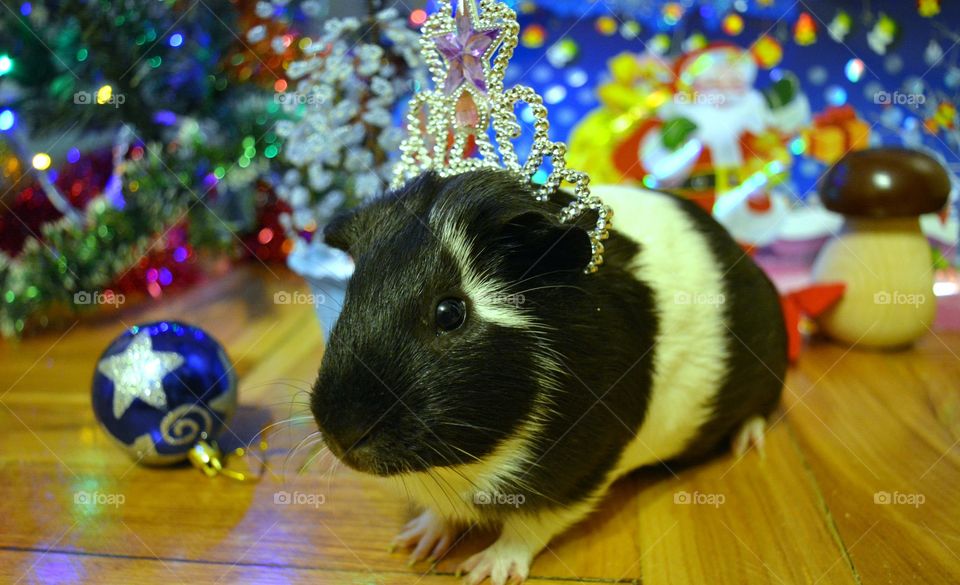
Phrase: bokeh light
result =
(733, 24)
(104, 94)
(672, 13)
(835, 95)
(7, 120)
(555, 94)
(854, 70)
(607, 26)
(418, 17)
(41, 161)
(533, 36)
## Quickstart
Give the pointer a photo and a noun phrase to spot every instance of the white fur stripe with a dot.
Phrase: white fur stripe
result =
(690, 355)
(454, 491)
(489, 298)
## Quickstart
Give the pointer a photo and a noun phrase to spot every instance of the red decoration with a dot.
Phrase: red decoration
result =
(168, 266)
(268, 243)
(806, 302)
(30, 209)
(257, 61)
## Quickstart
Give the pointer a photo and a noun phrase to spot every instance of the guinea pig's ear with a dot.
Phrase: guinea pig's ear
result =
(340, 232)
(538, 244)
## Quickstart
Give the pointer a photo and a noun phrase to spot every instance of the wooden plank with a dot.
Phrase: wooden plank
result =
(748, 521)
(37, 567)
(880, 432)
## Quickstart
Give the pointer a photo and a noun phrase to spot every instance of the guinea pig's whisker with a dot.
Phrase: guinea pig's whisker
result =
(293, 401)
(535, 276)
(457, 471)
(440, 486)
(283, 469)
(311, 439)
(549, 286)
(300, 385)
(286, 403)
(403, 484)
(292, 382)
(441, 482)
(293, 421)
(303, 468)
(429, 473)
(470, 426)
(466, 479)
(332, 471)
(467, 453)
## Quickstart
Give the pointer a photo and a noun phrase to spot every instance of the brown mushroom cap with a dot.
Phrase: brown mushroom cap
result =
(885, 182)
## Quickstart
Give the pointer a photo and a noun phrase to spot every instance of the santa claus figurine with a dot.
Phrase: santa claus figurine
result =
(720, 141)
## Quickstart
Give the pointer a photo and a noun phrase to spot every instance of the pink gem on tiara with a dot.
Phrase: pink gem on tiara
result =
(466, 112)
(465, 50)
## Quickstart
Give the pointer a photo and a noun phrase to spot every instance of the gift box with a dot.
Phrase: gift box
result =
(835, 132)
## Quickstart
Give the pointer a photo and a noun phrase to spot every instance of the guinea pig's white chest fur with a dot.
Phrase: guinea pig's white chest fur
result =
(690, 350)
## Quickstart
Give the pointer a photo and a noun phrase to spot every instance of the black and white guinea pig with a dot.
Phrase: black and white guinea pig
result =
(478, 367)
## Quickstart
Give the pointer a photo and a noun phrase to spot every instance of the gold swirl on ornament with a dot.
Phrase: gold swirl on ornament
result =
(176, 429)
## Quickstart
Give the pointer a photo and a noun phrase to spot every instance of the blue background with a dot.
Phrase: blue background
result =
(896, 125)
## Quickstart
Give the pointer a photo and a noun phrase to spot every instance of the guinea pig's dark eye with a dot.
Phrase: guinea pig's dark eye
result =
(451, 313)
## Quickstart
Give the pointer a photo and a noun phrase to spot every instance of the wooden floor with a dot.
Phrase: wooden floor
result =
(856, 430)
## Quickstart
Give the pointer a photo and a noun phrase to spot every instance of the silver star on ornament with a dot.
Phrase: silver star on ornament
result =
(138, 373)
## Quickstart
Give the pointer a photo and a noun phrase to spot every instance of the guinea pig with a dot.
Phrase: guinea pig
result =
(476, 366)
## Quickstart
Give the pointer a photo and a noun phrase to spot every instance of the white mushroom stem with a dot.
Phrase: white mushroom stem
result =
(887, 269)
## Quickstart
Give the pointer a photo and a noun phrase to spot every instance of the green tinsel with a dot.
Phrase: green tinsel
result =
(222, 129)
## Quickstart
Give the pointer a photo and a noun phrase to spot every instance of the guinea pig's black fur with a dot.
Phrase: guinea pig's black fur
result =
(397, 395)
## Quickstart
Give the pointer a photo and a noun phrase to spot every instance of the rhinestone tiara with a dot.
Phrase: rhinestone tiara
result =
(467, 51)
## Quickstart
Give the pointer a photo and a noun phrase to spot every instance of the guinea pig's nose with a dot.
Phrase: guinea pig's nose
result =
(357, 443)
(361, 454)
(348, 441)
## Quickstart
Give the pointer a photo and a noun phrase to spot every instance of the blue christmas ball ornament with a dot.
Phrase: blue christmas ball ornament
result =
(159, 388)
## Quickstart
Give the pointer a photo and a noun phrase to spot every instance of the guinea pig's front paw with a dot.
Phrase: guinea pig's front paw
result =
(503, 562)
(428, 535)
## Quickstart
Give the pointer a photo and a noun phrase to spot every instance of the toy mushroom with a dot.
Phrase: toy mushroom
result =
(880, 254)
